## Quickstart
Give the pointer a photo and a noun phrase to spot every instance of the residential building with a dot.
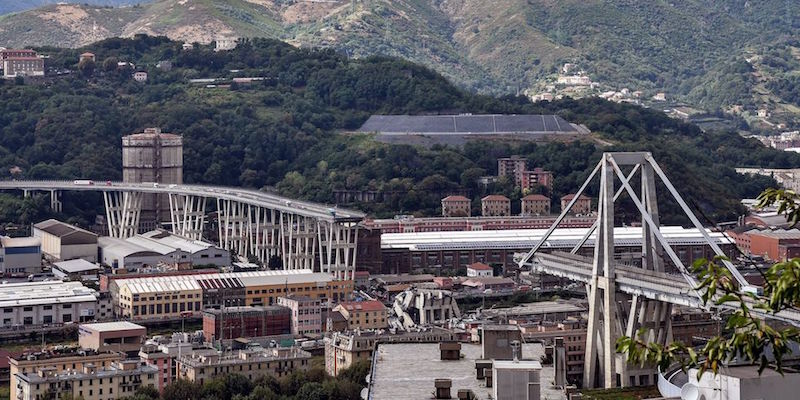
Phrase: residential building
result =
(21, 63)
(62, 361)
(251, 363)
(76, 270)
(336, 322)
(306, 314)
(573, 332)
(246, 322)
(537, 177)
(495, 205)
(62, 241)
(512, 167)
(120, 336)
(582, 206)
(43, 303)
(163, 360)
(456, 206)
(140, 76)
(222, 43)
(362, 279)
(121, 379)
(170, 296)
(342, 349)
(479, 269)
(370, 314)
(535, 204)
(87, 56)
(20, 256)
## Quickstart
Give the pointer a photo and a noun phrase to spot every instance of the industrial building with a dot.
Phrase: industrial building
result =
(20, 256)
(246, 321)
(171, 296)
(159, 247)
(61, 241)
(251, 363)
(405, 252)
(411, 224)
(120, 379)
(76, 270)
(120, 336)
(50, 302)
(153, 156)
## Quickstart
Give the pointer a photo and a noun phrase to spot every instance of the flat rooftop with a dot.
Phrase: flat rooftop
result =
(467, 124)
(111, 326)
(398, 376)
(528, 309)
(48, 292)
(514, 239)
(76, 265)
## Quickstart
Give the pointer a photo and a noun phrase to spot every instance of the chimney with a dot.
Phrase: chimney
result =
(450, 351)
(466, 394)
(515, 345)
(480, 368)
(443, 388)
(559, 359)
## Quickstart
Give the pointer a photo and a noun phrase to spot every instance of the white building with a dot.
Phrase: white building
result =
(200, 252)
(20, 256)
(739, 382)
(37, 303)
(76, 270)
(479, 270)
(225, 43)
(140, 76)
(61, 241)
(132, 255)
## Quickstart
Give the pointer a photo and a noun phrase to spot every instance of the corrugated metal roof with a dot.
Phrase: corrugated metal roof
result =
(49, 292)
(233, 279)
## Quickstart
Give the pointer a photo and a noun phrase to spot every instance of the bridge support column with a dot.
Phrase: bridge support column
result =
(338, 242)
(55, 203)
(233, 226)
(187, 215)
(122, 213)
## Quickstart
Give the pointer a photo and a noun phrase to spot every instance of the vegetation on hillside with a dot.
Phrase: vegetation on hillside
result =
(282, 132)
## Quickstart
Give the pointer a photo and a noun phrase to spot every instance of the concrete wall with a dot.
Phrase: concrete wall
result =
(11, 316)
(23, 263)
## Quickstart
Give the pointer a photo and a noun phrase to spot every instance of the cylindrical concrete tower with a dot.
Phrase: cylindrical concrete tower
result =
(154, 157)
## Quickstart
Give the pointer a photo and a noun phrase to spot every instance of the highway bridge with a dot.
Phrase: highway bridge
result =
(265, 225)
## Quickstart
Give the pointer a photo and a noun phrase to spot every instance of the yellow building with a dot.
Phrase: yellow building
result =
(120, 379)
(73, 360)
(363, 314)
(170, 297)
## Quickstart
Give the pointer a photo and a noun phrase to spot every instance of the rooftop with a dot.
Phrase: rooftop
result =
(48, 292)
(526, 239)
(788, 234)
(478, 266)
(195, 282)
(178, 242)
(69, 234)
(112, 371)
(395, 375)
(536, 197)
(495, 197)
(455, 198)
(467, 124)
(543, 307)
(571, 195)
(370, 305)
(75, 266)
(111, 326)
(6, 241)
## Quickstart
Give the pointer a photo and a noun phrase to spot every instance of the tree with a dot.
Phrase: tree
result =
(86, 66)
(110, 64)
(751, 338)
(182, 389)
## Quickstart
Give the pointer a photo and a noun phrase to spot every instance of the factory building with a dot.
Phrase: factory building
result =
(405, 252)
(199, 252)
(153, 156)
(20, 256)
(246, 321)
(159, 247)
(61, 241)
(50, 302)
(120, 336)
(174, 295)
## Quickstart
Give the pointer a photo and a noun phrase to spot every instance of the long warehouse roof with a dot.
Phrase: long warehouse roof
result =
(234, 279)
(49, 292)
(527, 238)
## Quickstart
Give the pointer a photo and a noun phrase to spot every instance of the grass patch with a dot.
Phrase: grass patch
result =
(635, 393)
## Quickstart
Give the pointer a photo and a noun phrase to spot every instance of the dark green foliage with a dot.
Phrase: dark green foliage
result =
(282, 132)
(182, 390)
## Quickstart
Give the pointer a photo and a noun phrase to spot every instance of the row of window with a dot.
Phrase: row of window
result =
(44, 307)
(47, 319)
(168, 308)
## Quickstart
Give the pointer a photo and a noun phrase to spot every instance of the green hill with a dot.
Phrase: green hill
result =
(282, 132)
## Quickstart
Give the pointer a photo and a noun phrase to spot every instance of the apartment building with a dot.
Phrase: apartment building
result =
(306, 314)
(535, 204)
(252, 363)
(582, 206)
(69, 360)
(121, 379)
(456, 206)
(537, 177)
(512, 167)
(495, 205)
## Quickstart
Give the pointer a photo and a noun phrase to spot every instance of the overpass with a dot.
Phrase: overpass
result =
(251, 223)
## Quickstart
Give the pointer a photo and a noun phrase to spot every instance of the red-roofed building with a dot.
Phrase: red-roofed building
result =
(479, 269)
(582, 206)
(485, 283)
(371, 314)
(362, 279)
(21, 63)
(456, 206)
(495, 205)
(537, 177)
(535, 204)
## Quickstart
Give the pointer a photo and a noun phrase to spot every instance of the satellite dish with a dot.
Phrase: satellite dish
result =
(690, 391)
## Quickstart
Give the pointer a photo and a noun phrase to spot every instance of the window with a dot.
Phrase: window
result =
(66, 318)
(66, 306)
(27, 309)
(28, 321)
(48, 307)
(47, 319)
(7, 310)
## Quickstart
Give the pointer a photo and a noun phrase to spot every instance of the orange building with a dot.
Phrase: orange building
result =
(582, 206)
(495, 205)
(456, 206)
(535, 204)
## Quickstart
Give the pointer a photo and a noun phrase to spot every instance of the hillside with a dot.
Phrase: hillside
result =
(502, 46)
(10, 6)
(282, 133)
